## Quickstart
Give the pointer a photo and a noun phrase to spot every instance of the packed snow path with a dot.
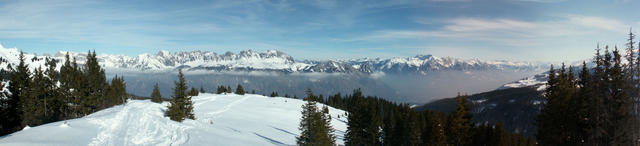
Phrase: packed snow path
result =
(220, 120)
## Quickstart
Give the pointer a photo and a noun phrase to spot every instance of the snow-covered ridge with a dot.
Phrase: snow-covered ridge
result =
(424, 63)
(538, 81)
(272, 60)
(231, 119)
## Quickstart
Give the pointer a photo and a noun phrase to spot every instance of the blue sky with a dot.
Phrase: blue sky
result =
(524, 30)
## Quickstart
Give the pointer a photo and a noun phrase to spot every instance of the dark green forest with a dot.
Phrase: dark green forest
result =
(597, 107)
(47, 95)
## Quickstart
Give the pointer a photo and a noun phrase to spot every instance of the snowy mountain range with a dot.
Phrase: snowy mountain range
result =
(278, 61)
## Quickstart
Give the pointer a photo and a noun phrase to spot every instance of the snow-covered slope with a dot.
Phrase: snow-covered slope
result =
(220, 120)
(539, 81)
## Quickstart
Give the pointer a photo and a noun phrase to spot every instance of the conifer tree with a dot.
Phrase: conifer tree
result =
(193, 92)
(117, 93)
(35, 107)
(221, 89)
(239, 90)
(229, 90)
(461, 123)
(621, 106)
(201, 89)
(19, 86)
(94, 85)
(57, 105)
(155, 95)
(66, 85)
(437, 133)
(363, 127)
(181, 106)
(315, 126)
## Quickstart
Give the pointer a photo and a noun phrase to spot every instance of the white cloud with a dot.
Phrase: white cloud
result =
(377, 75)
(450, 0)
(542, 1)
(475, 24)
(507, 31)
(599, 22)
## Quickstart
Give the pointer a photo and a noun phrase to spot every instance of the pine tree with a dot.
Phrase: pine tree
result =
(621, 105)
(117, 92)
(19, 87)
(315, 126)
(155, 95)
(461, 123)
(94, 85)
(221, 89)
(66, 85)
(363, 127)
(193, 92)
(181, 106)
(274, 94)
(229, 90)
(34, 107)
(437, 133)
(57, 105)
(552, 122)
(239, 90)
(201, 89)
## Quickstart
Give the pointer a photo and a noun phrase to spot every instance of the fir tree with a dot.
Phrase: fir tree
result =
(461, 123)
(180, 107)
(117, 92)
(315, 126)
(155, 95)
(201, 89)
(193, 92)
(221, 89)
(94, 85)
(18, 101)
(363, 127)
(239, 90)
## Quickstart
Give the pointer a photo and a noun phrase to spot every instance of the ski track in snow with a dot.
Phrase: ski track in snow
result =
(139, 126)
(227, 107)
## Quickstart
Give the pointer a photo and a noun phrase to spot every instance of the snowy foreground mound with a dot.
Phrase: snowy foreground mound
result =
(220, 120)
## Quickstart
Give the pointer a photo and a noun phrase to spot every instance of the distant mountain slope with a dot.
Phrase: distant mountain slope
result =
(220, 120)
(277, 61)
(417, 79)
(516, 107)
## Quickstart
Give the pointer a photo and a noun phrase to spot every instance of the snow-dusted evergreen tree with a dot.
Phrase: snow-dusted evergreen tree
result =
(155, 95)
(181, 106)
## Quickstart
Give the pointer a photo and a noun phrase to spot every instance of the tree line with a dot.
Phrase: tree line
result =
(43, 94)
(375, 121)
(599, 106)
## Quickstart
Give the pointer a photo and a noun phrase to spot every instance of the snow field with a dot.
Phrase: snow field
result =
(220, 120)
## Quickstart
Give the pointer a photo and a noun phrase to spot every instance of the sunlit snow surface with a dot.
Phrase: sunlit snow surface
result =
(220, 120)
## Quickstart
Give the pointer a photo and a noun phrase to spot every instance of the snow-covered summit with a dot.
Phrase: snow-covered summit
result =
(273, 60)
(220, 120)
